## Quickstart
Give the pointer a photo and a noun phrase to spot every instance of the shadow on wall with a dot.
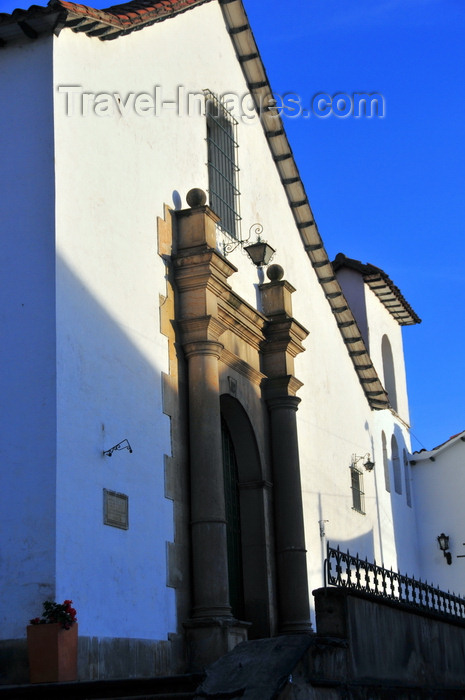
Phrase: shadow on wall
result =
(362, 545)
(405, 534)
(402, 514)
(109, 388)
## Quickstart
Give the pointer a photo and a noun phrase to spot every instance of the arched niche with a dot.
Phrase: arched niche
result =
(387, 480)
(396, 466)
(388, 371)
(408, 488)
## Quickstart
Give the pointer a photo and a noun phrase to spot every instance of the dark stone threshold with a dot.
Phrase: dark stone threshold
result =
(86, 690)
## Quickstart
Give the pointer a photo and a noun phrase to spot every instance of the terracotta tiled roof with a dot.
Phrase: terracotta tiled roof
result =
(131, 14)
(384, 288)
(427, 454)
(110, 23)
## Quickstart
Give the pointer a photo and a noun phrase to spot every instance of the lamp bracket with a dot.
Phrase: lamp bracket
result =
(367, 463)
(123, 445)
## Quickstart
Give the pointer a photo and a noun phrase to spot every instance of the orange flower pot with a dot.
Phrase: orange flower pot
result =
(52, 653)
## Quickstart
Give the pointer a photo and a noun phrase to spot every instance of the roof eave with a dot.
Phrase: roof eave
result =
(424, 455)
(383, 287)
(103, 24)
(30, 24)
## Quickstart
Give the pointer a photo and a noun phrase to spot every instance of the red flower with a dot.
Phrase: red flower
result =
(57, 612)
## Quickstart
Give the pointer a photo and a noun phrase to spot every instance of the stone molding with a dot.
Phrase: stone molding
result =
(217, 326)
(277, 388)
(200, 329)
(241, 367)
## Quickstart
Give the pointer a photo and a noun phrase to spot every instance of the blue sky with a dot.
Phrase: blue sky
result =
(387, 191)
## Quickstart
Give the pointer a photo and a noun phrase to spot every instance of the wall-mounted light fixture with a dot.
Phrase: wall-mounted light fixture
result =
(260, 252)
(367, 463)
(123, 445)
(321, 523)
(443, 541)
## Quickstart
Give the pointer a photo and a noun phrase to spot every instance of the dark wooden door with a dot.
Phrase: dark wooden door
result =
(233, 524)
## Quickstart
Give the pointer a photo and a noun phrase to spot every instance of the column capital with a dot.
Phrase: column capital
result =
(283, 402)
(200, 330)
(203, 347)
(277, 389)
(201, 281)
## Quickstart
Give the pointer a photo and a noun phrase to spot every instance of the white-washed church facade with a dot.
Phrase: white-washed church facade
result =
(183, 433)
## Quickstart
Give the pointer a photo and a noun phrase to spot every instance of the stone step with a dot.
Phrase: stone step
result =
(157, 696)
(162, 688)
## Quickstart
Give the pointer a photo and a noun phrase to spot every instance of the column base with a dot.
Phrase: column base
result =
(297, 627)
(208, 638)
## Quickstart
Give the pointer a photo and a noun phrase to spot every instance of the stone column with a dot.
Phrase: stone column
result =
(291, 561)
(208, 519)
(284, 336)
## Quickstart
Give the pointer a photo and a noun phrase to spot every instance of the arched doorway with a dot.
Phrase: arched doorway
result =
(248, 515)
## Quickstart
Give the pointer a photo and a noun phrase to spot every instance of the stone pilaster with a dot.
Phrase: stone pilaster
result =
(201, 275)
(284, 336)
(208, 518)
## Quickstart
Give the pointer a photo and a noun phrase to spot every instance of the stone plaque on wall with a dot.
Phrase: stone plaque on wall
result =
(115, 509)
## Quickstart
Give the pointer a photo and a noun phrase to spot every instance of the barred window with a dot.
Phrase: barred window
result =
(358, 494)
(222, 164)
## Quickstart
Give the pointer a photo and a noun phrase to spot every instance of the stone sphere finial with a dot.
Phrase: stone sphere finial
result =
(275, 273)
(196, 197)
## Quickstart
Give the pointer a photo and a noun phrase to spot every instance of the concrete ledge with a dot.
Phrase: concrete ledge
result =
(101, 658)
(392, 643)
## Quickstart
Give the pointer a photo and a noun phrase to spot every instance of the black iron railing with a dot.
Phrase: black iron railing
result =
(346, 571)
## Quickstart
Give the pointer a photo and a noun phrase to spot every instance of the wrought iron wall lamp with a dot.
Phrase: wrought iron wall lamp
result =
(443, 541)
(367, 463)
(259, 252)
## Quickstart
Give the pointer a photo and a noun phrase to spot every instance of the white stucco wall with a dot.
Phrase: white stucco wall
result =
(146, 160)
(353, 287)
(395, 524)
(438, 488)
(109, 278)
(27, 349)
(113, 175)
(380, 323)
(374, 322)
(387, 531)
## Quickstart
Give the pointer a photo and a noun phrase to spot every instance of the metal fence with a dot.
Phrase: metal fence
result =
(346, 571)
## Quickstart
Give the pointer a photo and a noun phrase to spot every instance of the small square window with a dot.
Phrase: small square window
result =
(358, 494)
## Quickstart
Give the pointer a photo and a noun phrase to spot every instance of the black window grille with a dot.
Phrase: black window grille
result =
(358, 494)
(223, 171)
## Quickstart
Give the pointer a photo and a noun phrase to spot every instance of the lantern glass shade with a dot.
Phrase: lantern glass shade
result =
(260, 253)
(369, 465)
(443, 542)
